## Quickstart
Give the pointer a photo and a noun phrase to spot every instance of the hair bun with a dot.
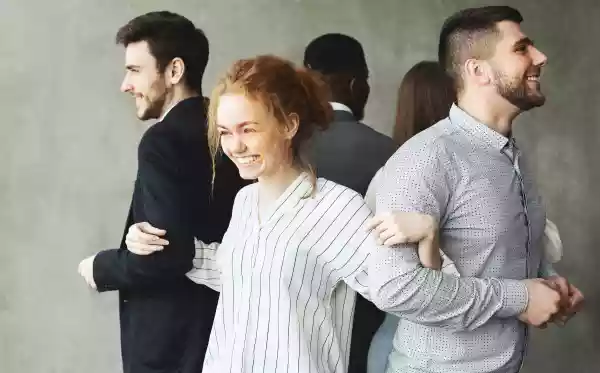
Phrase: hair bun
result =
(319, 111)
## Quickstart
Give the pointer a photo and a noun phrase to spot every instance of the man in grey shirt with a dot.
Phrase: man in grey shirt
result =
(468, 172)
(349, 152)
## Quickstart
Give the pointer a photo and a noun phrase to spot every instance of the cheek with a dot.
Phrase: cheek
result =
(226, 145)
(518, 68)
(137, 82)
(271, 148)
(150, 86)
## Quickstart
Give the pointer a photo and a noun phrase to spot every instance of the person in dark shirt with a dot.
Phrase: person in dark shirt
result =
(166, 318)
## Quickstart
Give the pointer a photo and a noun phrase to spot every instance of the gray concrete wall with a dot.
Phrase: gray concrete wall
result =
(68, 139)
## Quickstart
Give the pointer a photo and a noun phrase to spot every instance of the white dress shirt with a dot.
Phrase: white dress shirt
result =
(287, 303)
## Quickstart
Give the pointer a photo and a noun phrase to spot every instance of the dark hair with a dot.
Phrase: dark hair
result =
(424, 97)
(283, 89)
(169, 36)
(471, 33)
(341, 59)
(336, 54)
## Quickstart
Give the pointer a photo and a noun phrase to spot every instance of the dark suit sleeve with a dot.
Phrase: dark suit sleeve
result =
(164, 203)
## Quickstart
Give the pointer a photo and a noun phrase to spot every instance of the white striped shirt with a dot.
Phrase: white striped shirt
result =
(286, 301)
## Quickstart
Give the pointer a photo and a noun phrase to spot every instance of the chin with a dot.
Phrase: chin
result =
(148, 112)
(249, 173)
(142, 114)
(537, 100)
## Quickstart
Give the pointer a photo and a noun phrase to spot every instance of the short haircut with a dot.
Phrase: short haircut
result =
(170, 35)
(336, 54)
(471, 33)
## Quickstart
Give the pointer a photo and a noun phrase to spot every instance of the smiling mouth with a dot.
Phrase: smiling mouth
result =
(533, 76)
(248, 160)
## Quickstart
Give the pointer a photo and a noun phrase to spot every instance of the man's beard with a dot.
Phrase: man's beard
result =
(154, 108)
(518, 92)
(155, 101)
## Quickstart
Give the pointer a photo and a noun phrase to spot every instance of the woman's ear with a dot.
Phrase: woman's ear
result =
(292, 125)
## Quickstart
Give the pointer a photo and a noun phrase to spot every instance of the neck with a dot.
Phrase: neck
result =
(494, 114)
(177, 95)
(271, 187)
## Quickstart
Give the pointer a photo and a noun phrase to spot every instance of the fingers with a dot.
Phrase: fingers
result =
(576, 299)
(394, 229)
(379, 229)
(387, 235)
(373, 222)
(141, 234)
(573, 304)
(87, 277)
(562, 286)
(395, 239)
(148, 228)
(561, 320)
(147, 238)
(142, 248)
(91, 283)
(144, 239)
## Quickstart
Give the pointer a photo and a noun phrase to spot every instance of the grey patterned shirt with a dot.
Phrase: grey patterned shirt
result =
(492, 222)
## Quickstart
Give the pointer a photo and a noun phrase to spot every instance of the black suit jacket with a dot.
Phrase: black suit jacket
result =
(350, 153)
(165, 318)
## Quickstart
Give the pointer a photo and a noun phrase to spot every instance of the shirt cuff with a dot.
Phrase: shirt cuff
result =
(514, 298)
(101, 275)
(547, 270)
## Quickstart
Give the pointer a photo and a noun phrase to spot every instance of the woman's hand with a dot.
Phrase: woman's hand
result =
(144, 239)
(409, 227)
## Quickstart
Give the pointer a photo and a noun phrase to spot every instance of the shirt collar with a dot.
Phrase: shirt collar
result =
(478, 130)
(299, 189)
(162, 117)
(340, 106)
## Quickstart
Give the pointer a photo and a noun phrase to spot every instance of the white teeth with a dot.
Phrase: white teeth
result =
(534, 78)
(248, 160)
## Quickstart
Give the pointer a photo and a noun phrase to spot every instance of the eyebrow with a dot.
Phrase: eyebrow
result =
(242, 124)
(523, 42)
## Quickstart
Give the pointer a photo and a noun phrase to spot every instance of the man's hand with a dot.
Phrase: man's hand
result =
(144, 239)
(543, 304)
(86, 270)
(571, 298)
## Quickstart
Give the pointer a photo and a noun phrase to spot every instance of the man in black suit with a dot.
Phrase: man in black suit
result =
(165, 318)
(349, 152)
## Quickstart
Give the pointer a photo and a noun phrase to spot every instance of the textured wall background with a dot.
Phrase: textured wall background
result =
(67, 148)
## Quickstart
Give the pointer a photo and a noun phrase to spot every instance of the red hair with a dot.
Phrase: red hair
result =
(284, 90)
